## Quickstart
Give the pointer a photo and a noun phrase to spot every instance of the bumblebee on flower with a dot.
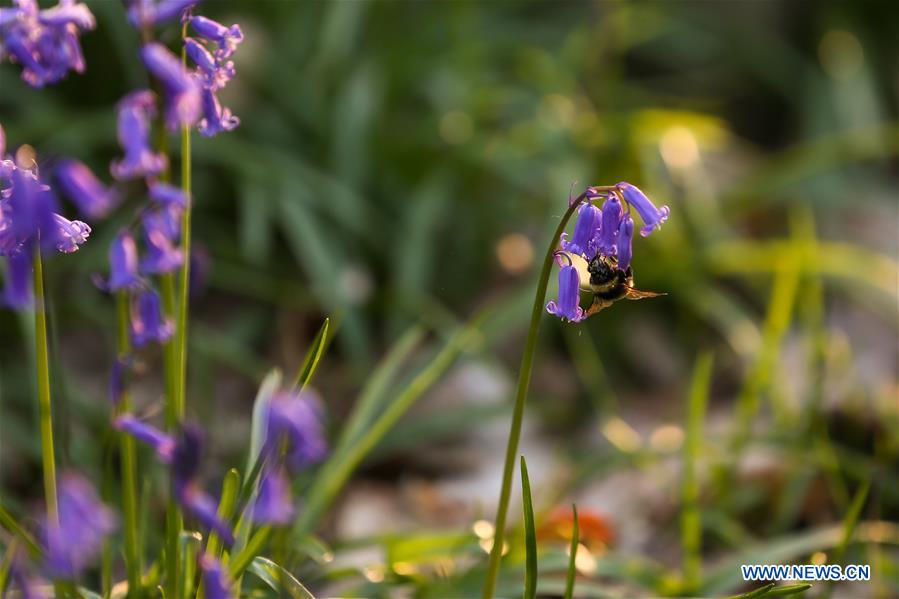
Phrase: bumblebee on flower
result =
(597, 258)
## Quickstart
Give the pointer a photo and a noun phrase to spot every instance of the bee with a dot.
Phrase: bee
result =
(608, 283)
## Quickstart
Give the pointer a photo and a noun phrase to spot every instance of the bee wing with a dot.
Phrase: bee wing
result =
(637, 294)
(597, 305)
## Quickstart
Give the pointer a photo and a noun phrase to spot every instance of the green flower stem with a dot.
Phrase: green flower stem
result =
(184, 283)
(524, 380)
(129, 463)
(42, 366)
(172, 418)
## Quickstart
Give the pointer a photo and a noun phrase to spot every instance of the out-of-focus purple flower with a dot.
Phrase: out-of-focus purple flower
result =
(651, 216)
(134, 113)
(164, 193)
(607, 239)
(182, 90)
(31, 211)
(273, 504)
(70, 234)
(204, 508)
(567, 307)
(147, 322)
(45, 42)
(29, 586)
(625, 237)
(117, 376)
(143, 13)
(123, 263)
(216, 582)
(215, 73)
(166, 219)
(588, 220)
(226, 38)
(90, 195)
(73, 543)
(216, 118)
(162, 255)
(18, 291)
(294, 422)
(162, 443)
(187, 456)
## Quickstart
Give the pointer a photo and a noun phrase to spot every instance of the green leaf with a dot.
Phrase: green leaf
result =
(313, 355)
(691, 523)
(530, 535)
(278, 578)
(227, 503)
(572, 555)
(790, 589)
(755, 593)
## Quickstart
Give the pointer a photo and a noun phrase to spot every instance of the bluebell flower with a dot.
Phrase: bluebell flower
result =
(74, 542)
(226, 38)
(117, 375)
(217, 583)
(204, 508)
(166, 194)
(216, 119)
(568, 305)
(162, 443)
(70, 234)
(651, 216)
(625, 237)
(273, 503)
(29, 586)
(166, 219)
(294, 424)
(162, 255)
(134, 114)
(17, 293)
(606, 241)
(187, 456)
(588, 222)
(123, 263)
(148, 325)
(182, 90)
(215, 73)
(45, 42)
(142, 13)
(87, 192)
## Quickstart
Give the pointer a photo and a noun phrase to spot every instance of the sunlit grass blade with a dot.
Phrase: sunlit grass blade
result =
(571, 575)
(8, 522)
(242, 560)
(313, 355)
(530, 535)
(691, 525)
(227, 503)
(755, 593)
(278, 578)
(850, 522)
(787, 590)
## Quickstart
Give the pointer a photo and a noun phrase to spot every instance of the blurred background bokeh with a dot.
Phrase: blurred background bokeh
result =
(400, 167)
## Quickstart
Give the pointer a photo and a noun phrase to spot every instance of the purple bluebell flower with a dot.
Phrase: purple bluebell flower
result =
(142, 13)
(568, 305)
(166, 219)
(162, 443)
(294, 422)
(18, 291)
(123, 263)
(187, 456)
(166, 194)
(216, 118)
(162, 256)
(73, 543)
(31, 210)
(625, 237)
(134, 113)
(215, 73)
(148, 325)
(45, 42)
(273, 504)
(117, 377)
(70, 234)
(217, 583)
(588, 221)
(29, 586)
(90, 195)
(651, 216)
(182, 90)
(226, 38)
(607, 239)
(204, 508)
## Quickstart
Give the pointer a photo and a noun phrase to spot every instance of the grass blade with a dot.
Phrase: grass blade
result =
(313, 356)
(530, 535)
(755, 593)
(790, 589)
(572, 554)
(227, 503)
(278, 578)
(691, 525)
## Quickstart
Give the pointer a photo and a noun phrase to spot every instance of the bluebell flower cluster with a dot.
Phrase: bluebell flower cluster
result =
(597, 257)
(29, 220)
(210, 52)
(44, 42)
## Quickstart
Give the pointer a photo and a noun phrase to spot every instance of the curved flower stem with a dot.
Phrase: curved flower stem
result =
(42, 367)
(524, 380)
(129, 463)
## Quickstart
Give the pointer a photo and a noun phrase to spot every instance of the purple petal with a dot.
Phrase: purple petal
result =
(168, 194)
(134, 113)
(147, 322)
(18, 291)
(294, 421)
(651, 216)
(182, 91)
(216, 119)
(588, 220)
(123, 263)
(227, 38)
(79, 183)
(163, 444)
(567, 307)
(70, 234)
(216, 581)
(625, 236)
(273, 504)
(204, 508)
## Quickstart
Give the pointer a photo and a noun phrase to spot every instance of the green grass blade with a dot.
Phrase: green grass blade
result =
(313, 356)
(278, 578)
(530, 535)
(572, 555)
(790, 589)
(245, 557)
(850, 522)
(270, 384)
(691, 524)
(755, 593)
(227, 503)
(8, 522)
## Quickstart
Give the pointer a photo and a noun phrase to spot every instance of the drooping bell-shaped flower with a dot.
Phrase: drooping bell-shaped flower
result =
(74, 542)
(17, 293)
(651, 216)
(123, 263)
(166, 219)
(169, 195)
(87, 192)
(226, 38)
(294, 422)
(567, 307)
(182, 90)
(162, 443)
(134, 114)
(204, 508)
(625, 237)
(70, 234)
(217, 584)
(29, 587)
(117, 378)
(31, 212)
(144, 13)
(216, 118)
(273, 504)
(608, 235)
(148, 325)
(215, 73)
(162, 255)
(588, 222)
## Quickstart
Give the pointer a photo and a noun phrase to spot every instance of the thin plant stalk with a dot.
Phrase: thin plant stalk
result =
(184, 282)
(129, 462)
(524, 380)
(42, 367)
(571, 575)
